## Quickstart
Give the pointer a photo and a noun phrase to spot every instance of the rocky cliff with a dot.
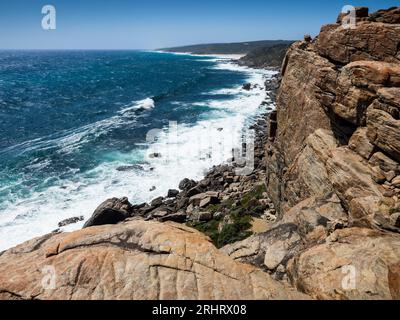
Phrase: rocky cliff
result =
(333, 161)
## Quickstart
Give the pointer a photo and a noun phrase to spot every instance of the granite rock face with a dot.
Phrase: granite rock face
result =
(333, 160)
(337, 110)
(132, 260)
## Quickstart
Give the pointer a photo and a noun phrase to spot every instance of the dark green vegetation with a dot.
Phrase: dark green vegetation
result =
(228, 48)
(235, 221)
(264, 57)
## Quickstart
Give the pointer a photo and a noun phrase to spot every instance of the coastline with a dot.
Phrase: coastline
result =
(210, 199)
(73, 222)
(216, 55)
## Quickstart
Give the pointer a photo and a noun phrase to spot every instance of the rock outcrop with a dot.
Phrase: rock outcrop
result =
(338, 125)
(132, 260)
(110, 211)
(333, 163)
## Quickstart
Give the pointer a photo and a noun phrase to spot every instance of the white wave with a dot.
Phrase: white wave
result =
(226, 91)
(145, 104)
(190, 154)
(215, 55)
(76, 138)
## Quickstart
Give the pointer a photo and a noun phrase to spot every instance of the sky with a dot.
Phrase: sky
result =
(151, 24)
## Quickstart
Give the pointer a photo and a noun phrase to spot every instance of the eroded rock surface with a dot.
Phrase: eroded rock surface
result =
(333, 162)
(132, 260)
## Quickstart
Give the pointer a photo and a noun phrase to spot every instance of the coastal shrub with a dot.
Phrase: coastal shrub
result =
(209, 228)
(240, 212)
(236, 231)
(250, 198)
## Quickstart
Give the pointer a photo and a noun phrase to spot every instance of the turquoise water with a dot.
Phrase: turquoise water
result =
(73, 127)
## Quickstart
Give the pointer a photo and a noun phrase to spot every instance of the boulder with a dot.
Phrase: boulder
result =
(269, 249)
(201, 216)
(208, 201)
(391, 15)
(69, 221)
(384, 131)
(194, 191)
(110, 211)
(396, 182)
(179, 217)
(157, 202)
(134, 260)
(360, 143)
(187, 184)
(307, 38)
(353, 265)
(247, 86)
(172, 193)
(204, 199)
(382, 161)
(315, 212)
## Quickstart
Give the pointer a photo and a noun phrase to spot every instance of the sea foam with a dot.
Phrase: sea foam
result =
(190, 153)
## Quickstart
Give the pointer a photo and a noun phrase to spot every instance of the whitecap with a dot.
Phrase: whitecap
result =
(189, 154)
(145, 104)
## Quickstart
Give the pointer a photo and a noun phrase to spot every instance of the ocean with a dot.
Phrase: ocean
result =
(79, 127)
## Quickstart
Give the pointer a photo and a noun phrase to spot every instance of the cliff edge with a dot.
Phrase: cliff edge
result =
(333, 157)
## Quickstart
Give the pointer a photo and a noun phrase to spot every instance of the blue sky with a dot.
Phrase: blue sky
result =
(147, 24)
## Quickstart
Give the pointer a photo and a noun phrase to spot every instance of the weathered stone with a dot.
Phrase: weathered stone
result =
(360, 143)
(69, 221)
(201, 216)
(179, 217)
(396, 182)
(195, 200)
(302, 71)
(378, 175)
(308, 175)
(187, 184)
(208, 201)
(390, 175)
(110, 211)
(388, 101)
(157, 202)
(353, 266)
(307, 38)
(369, 74)
(395, 219)
(394, 281)
(384, 131)
(367, 41)
(194, 191)
(314, 212)
(131, 261)
(172, 193)
(384, 162)
(268, 249)
(391, 15)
